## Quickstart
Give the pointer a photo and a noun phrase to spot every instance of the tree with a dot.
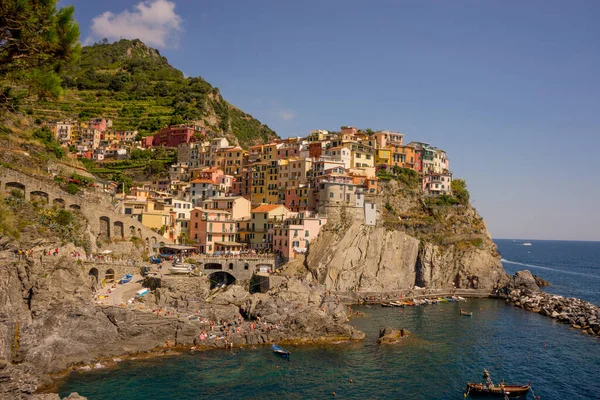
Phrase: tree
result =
(36, 40)
(459, 190)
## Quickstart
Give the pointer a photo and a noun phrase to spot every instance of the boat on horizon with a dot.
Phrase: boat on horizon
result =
(280, 350)
(527, 244)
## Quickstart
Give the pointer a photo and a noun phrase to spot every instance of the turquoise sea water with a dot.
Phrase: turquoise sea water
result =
(445, 351)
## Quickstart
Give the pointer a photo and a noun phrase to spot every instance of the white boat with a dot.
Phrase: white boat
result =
(526, 244)
(181, 268)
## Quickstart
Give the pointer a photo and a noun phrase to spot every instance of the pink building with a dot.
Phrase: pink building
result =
(100, 124)
(212, 174)
(292, 236)
(213, 230)
(383, 138)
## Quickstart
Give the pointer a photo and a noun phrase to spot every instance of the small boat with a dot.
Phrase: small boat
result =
(155, 260)
(461, 298)
(142, 293)
(126, 278)
(442, 300)
(503, 391)
(489, 389)
(181, 268)
(281, 351)
(526, 244)
(466, 314)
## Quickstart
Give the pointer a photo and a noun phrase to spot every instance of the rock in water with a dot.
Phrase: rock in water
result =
(541, 282)
(524, 280)
(391, 335)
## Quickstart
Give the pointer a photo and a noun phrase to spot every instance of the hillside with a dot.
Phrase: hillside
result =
(138, 89)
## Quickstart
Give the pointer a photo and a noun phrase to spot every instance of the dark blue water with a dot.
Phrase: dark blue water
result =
(572, 268)
(444, 351)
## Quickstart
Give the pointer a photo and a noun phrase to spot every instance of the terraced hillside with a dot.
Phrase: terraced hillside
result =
(137, 88)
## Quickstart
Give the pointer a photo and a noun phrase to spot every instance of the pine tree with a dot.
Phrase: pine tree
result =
(36, 40)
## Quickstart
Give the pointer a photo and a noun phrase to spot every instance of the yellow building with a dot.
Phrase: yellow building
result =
(261, 224)
(362, 155)
(383, 156)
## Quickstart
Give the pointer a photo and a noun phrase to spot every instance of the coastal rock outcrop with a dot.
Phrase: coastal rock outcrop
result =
(579, 314)
(48, 321)
(391, 335)
(376, 258)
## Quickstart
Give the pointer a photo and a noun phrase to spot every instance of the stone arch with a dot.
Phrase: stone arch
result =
(58, 202)
(221, 278)
(153, 240)
(104, 228)
(230, 265)
(213, 266)
(132, 231)
(139, 232)
(38, 195)
(75, 207)
(118, 230)
(18, 186)
(109, 275)
(93, 276)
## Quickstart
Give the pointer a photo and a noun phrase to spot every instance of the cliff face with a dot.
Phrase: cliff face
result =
(415, 243)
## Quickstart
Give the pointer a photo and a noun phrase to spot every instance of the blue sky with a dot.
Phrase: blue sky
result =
(510, 89)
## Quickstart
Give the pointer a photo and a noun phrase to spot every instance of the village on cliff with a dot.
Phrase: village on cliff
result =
(272, 198)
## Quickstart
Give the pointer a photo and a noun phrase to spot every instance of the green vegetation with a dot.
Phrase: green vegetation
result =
(46, 137)
(7, 222)
(72, 188)
(37, 41)
(441, 200)
(405, 175)
(459, 189)
(135, 86)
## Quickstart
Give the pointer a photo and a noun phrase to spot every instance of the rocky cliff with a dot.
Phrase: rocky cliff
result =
(416, 242)
(49, 322)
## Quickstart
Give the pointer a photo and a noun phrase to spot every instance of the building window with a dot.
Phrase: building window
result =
(246, 266)
(230, 265)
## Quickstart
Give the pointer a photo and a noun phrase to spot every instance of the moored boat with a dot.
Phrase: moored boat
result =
(281, 351)
(181, 268)
(465, 313)
(126, 278)
(512, 391)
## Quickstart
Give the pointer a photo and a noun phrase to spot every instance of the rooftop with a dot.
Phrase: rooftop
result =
(267, 207)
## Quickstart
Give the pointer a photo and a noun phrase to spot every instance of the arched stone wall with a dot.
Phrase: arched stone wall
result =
(118, 230)
(104, 232)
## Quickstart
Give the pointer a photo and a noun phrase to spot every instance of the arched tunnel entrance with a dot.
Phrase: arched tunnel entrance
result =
(221, 278)
(93, 276)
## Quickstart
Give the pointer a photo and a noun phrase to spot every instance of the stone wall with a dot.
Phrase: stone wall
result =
(104, 222)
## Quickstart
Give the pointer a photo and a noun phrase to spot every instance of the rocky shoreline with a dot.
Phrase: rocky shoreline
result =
(577, 313)
(523, 291)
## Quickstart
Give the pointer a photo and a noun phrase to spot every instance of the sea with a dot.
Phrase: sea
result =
(443, 352)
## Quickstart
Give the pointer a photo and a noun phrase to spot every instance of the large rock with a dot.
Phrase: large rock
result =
(524, 280)
(379, 259)
(391, 335)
